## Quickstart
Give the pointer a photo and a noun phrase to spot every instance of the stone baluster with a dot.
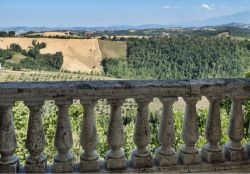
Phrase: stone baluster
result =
(9, 162)
(212, 151)
(234, 150)
(115, 157)
(63, 139)
(166, 155)
(247, 146)
(141, 156)
(188, 153)
(89, 160)
(36, 162)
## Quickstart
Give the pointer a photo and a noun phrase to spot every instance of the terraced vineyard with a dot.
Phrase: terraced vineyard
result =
(26, 76)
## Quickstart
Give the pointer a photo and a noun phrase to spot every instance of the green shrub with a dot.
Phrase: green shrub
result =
(129, 110)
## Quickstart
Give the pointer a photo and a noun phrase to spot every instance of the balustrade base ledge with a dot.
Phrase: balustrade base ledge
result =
(141, 162)
(247, 148)
(227, 166)
(36, 168)
(211, 157)
(89, 166)
(163, 160)
(112, 164)
(189, 158)
(63, 167)
(10, 168)
(234, 155)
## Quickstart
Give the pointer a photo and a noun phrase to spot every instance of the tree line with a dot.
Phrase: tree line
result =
(33, 58)
(181, 57)
(7, 34)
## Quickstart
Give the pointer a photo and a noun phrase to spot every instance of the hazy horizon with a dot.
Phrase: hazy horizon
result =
(99, 13)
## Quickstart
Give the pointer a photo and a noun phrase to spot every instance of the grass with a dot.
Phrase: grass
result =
(16, 58)
(113, 49)
(241, 38)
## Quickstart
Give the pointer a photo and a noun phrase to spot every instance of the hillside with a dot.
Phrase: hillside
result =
(53, 34)
(182, 57)
(83, 55)
(79, 55)
(113, 49)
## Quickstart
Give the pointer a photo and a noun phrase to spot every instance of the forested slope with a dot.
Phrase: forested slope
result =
(181, 57)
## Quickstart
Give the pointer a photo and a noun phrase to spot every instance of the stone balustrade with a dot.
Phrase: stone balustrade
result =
(187, 159)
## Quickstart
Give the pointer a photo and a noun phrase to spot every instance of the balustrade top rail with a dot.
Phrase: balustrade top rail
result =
(211, 157)
(121, 89)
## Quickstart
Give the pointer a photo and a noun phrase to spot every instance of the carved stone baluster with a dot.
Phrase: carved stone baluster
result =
(36, 161)
(9, 162)
(188, 153)
(89, 158)
(166, 155)
(141, 156)
(234, 149)
(115, 157)
(247, 146)
(212, 151)
(63, 139)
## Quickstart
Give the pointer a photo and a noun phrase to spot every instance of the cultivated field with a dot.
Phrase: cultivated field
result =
(52, 34)
(31, 76)
(83, 55)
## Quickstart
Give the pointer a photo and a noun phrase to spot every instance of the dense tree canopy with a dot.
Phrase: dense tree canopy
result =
(179, 57)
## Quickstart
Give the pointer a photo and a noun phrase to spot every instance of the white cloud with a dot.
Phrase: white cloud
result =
(166, 7)
(206, 7)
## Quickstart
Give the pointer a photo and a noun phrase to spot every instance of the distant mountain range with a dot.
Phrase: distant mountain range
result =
(241, 19)
(90, 29)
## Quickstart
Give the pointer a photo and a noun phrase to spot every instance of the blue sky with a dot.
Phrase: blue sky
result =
(68, 13)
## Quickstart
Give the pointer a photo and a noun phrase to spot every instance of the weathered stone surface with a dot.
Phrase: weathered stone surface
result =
(8, 162)
(62, 167)
(165, 155)
(89, 166)
(10, 168)
(212, 152)
(142, 161)
(247, 148)
(40, 167)
(115, 91)
(212, 157)
(113, 164)
(115, 157)
(234, 150)
(141, 156)
(36, 162)
(126, 89)
(89, 160)
(166, 160)
(63, 139)
(189, 158)
(188, 153)
(235, 155)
